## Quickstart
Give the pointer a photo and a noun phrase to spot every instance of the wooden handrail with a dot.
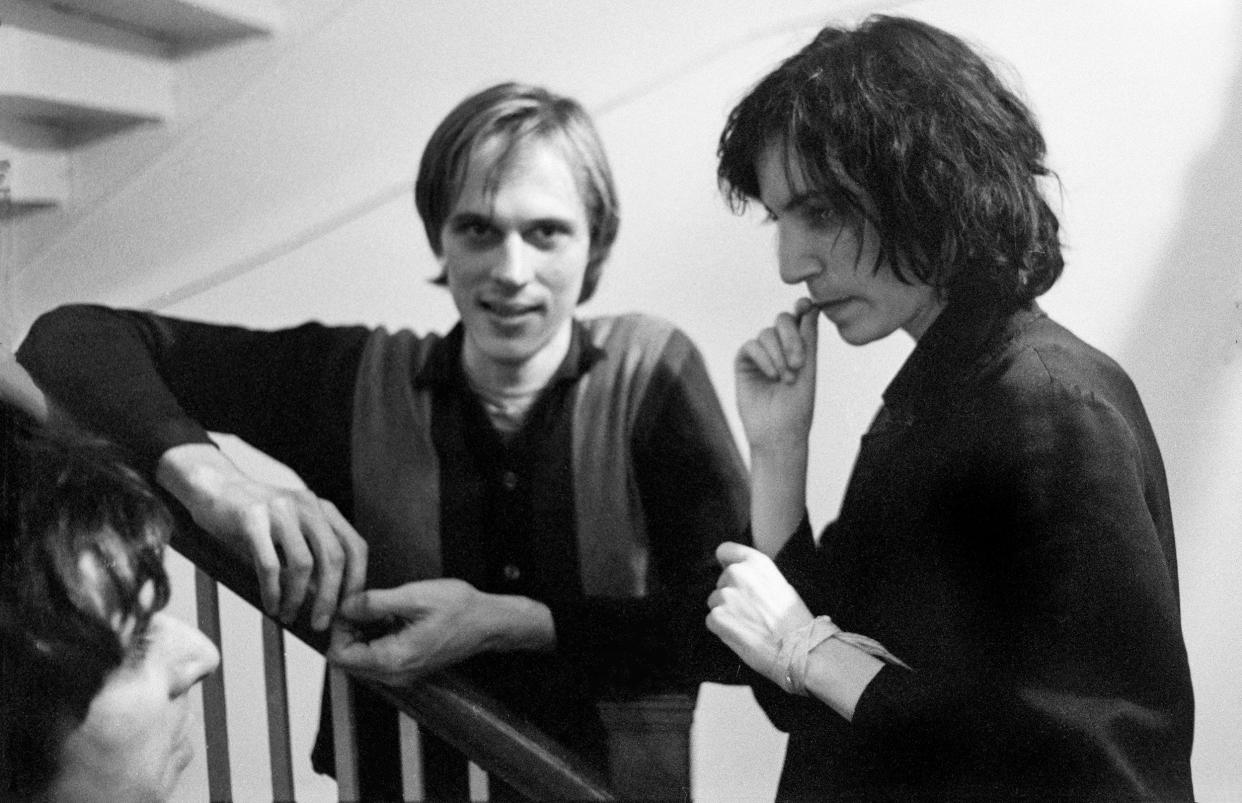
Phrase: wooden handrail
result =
(451, 707)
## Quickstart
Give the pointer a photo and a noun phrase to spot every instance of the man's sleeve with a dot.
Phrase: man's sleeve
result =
(694, 496)
(152, 382)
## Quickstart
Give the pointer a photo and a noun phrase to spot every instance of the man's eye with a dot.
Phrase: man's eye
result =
(546, 235)
(474, 232)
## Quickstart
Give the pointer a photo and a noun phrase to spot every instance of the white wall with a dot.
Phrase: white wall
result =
(289, 199)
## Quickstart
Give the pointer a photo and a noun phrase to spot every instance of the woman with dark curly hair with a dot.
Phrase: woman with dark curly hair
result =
(994, 613)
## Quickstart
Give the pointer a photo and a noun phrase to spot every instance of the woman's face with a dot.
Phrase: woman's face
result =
(836, 258)
(515, 258)
(135, 739)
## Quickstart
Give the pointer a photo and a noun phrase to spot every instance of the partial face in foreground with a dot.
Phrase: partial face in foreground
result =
(135, 740)
(515, 254)
(835, 256)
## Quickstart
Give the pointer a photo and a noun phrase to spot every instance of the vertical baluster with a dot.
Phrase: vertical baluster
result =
(480, 786)
(277, 711)
(411, 760)
(343, 738)
(215, 719)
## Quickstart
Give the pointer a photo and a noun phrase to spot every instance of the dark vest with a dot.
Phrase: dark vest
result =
(396, 471)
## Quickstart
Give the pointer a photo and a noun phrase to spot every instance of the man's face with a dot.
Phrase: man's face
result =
(836, 258)
(135, 740)
(515, 259)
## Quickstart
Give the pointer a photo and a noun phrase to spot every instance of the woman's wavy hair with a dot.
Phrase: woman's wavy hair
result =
(516, 114)
(82, 538)
(903, 125)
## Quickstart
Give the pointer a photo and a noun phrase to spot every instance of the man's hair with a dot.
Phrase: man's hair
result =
(516, 114)
(901, 124)
(81, 538)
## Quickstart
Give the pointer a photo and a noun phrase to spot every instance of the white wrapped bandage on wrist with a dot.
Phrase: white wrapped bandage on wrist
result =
(796, 646)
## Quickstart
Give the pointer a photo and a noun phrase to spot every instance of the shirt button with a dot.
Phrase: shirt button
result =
(512, 573)
(509, 480)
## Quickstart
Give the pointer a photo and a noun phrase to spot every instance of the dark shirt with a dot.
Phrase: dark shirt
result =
(1006, 532)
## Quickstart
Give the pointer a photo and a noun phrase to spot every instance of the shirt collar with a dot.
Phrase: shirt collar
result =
(442, 368)
(965, 337)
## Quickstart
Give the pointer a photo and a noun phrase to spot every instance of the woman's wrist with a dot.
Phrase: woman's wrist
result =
(778, 495)
(837, 674)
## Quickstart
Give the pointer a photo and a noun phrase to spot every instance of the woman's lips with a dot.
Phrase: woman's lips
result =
(833, 304)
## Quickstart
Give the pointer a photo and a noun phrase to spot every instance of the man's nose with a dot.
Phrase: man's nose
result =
(513, 265)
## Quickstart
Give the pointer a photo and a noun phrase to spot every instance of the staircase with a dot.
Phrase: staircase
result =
(72, 71)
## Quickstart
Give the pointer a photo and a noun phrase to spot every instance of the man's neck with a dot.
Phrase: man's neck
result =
(527, 377)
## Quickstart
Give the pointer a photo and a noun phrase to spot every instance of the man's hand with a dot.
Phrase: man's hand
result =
(752, 607)
(775, 379)
(291, 535)
(432, 624)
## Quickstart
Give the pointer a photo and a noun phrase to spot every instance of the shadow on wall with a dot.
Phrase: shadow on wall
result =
(1186, 340)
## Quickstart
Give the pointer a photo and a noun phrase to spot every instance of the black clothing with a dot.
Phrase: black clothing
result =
(1006, 532)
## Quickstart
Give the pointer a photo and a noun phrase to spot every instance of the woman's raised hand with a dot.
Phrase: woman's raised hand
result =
(775, 378)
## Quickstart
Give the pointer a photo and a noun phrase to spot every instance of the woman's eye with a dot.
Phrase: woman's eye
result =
(822, 216)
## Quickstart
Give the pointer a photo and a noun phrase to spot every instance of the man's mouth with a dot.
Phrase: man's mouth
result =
(509, 309)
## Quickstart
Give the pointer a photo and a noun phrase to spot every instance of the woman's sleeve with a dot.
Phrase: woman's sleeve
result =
(153, 382)
(1087, 676)
(694, 497)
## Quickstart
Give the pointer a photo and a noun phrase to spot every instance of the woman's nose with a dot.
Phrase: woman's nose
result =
(796, 259)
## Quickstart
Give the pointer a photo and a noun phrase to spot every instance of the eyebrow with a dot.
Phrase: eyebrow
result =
(804, 199)
(798, 201)
(469, 217)
(489, 220)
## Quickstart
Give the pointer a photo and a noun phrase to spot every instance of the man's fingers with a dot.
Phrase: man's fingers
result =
(329, 562)
(376, 604)
(299, 562)
(266, 564)
(383, 659)
(354, 547)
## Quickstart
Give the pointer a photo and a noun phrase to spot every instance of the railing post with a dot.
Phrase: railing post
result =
(215, 715)
(343, 736)
(280, 752)
(412, 786)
